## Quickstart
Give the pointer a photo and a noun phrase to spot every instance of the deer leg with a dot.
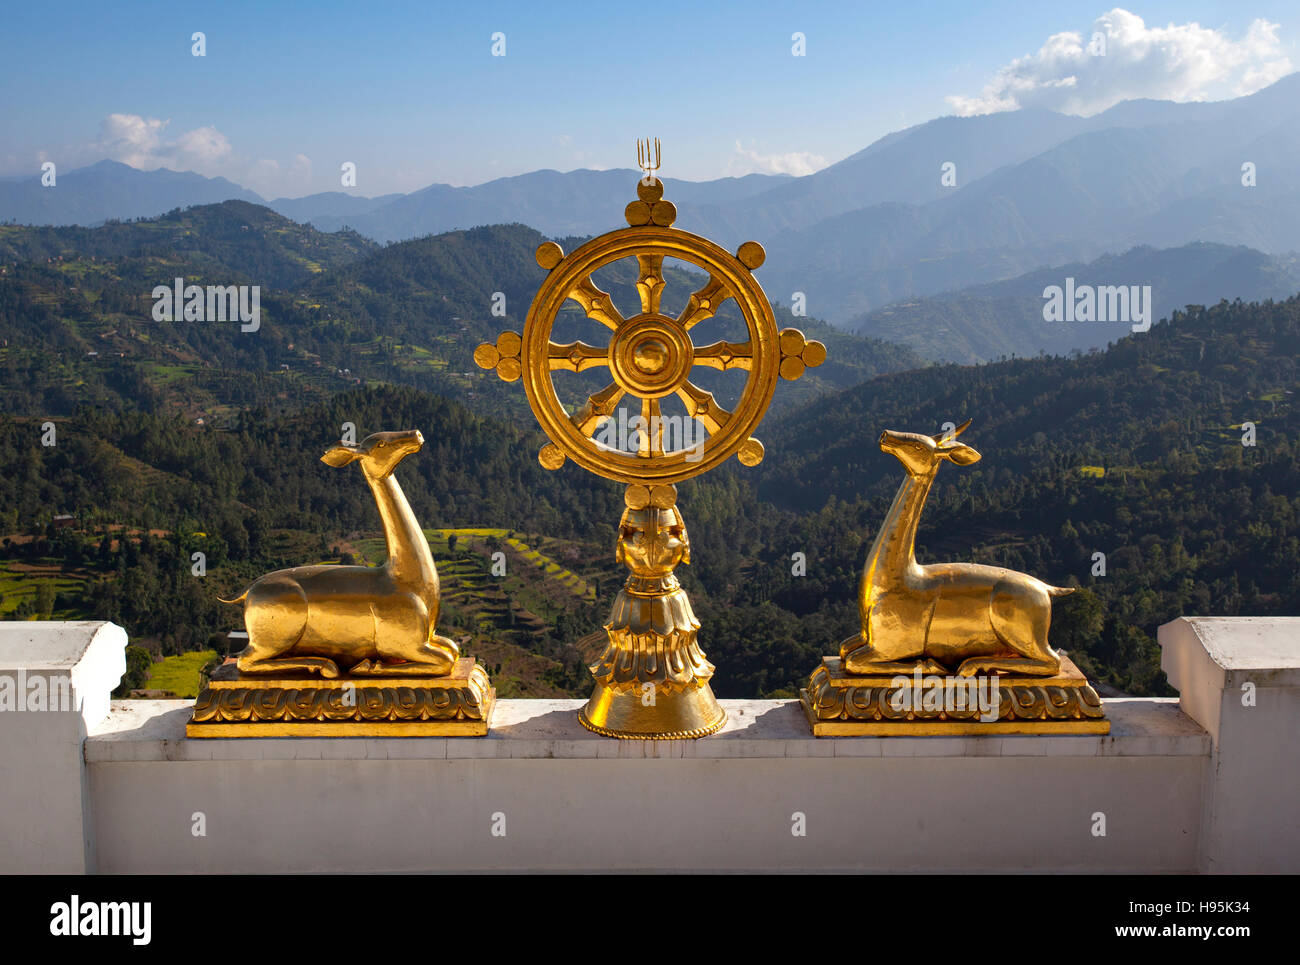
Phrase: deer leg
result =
(1030, 666)
(864, 666)
(323, 665)
(1021, 626)
(258, 657)
(275, 616)
(432, 658)
(865, 659)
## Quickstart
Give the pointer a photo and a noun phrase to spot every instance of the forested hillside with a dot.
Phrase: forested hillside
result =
(1136, 453)
(172, 439)
(234, 237)
(1003, 319)
(335, 312)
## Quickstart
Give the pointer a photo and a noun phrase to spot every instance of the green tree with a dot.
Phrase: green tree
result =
(45, 596)
(138, 662)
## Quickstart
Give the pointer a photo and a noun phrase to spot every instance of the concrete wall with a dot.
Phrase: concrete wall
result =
(55, 683)
(1239, 678)
(1171, 792)
(570, 799)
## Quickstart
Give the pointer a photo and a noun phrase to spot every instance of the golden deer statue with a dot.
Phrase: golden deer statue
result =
(374, 620)
(977, 618)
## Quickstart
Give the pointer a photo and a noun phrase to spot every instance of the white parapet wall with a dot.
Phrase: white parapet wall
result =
(1239, 678)
(56, 680)
(540, 792)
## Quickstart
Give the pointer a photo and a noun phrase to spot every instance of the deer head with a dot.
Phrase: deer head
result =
(920, 454)
(379, 452)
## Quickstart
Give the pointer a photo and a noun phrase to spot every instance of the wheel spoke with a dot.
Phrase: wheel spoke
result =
(700, 404)
(726, 355)
(596, 303)
(704, 303)
(575, 356)
(650, 284)
(651, 442)
(598, 407)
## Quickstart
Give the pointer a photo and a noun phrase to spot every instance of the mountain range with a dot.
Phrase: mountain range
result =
(1006, 318)
(336, 309)
(937, 208)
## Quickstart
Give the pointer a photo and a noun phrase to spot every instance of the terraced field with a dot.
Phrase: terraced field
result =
(521, 623)
(20, 581)
(179, 674)
(518, 623)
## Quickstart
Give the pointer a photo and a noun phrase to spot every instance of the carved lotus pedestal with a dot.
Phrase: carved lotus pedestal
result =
(839, 704)
(652, 678)
(243, 705)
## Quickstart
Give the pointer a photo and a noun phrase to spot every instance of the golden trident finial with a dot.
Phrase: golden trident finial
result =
(643, 158)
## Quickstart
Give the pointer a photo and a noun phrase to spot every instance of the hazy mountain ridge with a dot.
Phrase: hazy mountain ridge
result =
(336, 309)
(111, 190)
(984, 322)
(1198, 374)
(234, 237)
(1104, 189)
(1032, 188)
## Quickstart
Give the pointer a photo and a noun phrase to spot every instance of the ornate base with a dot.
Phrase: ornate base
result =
(458, 705)
(842, 705)
(681, 715)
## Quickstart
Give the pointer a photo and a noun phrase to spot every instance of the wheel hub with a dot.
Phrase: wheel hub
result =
(651, 356)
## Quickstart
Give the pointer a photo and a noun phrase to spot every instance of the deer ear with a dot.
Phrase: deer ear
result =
(949, 436)
(960, 453)
(340, 455)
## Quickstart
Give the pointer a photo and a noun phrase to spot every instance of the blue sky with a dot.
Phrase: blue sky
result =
(411, 93)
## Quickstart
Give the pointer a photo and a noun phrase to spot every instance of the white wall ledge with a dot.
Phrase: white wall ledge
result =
(1239, 678)
(1207, 782)
(154, 730)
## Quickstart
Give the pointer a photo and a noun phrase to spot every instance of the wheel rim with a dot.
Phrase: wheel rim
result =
(650, 355)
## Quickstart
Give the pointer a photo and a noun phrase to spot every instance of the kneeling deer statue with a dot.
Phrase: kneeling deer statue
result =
(978, 618)
(374, 620)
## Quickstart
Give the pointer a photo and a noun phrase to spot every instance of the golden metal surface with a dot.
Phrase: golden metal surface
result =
(839, 704)
(963, 618)
(459, 704)
(378, 621)
(933, 637)
(651, 677)
(399, 677)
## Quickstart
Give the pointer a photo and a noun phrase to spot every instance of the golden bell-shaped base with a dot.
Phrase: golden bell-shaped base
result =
(687, 714)
(652, 678)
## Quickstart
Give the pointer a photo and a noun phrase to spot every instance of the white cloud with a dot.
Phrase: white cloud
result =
(139, 142)
(142, 143)
(1179, 62)
(271, 179)
(748, 161)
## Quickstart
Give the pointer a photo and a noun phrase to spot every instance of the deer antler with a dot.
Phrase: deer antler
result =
(941, 436)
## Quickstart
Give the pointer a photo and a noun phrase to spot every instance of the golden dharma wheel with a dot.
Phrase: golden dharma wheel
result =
(650, 355)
